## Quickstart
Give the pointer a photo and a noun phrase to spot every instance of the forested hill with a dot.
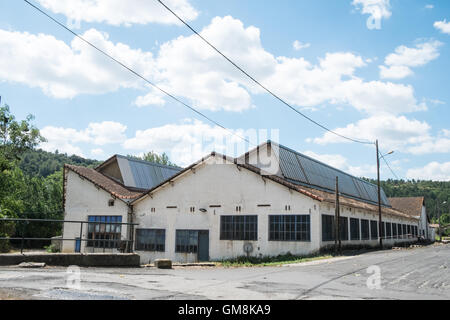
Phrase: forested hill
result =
(435, 192)
(39, 163)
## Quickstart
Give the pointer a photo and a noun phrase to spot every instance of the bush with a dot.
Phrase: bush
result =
(270, 260)
(6, 229)
(51, 248)
(5, 247)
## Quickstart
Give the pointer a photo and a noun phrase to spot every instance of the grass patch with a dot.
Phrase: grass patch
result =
(269, 261)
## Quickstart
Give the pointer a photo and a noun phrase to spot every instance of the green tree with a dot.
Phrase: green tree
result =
(15, 138)
(155, 158)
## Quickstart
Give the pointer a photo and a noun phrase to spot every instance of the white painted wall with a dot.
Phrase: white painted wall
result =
(225, 185)
(423, 225)
(84, 199)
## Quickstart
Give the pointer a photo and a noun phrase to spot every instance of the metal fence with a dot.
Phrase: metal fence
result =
(100, 234)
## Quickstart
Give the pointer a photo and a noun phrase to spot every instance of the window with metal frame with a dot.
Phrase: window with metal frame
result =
(343, 228)
(290, 228)
(373, 230)
(186, 241)
(365, 229)
(394, 231)
(388, 230)
(328, 228)
(354, 229)
(405, 233)
(153, 240)
(239, 228)
(103, 232)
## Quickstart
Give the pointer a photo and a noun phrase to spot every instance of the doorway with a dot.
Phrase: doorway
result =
(203, 246)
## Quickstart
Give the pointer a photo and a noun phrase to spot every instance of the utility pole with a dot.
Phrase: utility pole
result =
(337, 214)
(380, 226)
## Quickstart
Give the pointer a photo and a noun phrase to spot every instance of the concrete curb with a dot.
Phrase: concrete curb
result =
(73, 259)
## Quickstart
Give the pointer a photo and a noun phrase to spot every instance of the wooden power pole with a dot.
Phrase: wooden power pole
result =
(337, 214)
(380, 226)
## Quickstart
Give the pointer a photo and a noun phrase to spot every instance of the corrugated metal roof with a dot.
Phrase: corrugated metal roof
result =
(304, 170)
(144, 175)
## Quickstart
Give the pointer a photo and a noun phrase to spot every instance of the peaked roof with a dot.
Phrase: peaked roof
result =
(136, 174)
(412, 206)
(323, 196)
(241, 165)
(302, 170)
(103, 182)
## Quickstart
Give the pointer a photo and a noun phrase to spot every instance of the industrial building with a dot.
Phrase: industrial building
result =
(270, 201)
(415, 207)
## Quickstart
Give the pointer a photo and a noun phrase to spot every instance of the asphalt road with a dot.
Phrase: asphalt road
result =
(422, 273)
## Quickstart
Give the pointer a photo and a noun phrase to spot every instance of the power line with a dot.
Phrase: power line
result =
(137, 74)
(258, 83)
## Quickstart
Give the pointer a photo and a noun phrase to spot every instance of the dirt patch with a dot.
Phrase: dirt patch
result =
(14, 294)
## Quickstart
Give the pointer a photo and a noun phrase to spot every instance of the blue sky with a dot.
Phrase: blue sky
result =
(368, 69)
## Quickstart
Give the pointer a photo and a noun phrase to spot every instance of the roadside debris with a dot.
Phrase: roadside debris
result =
(32, 265)
(163, 264)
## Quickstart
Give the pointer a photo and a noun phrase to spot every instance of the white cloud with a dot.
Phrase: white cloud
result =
(333, 81)
(191, 70)
(153, 98)
(433, 171)
(63, 140)
(394, 133)
(119, 12)
(429, 6)
(184, 142)
(97, 152)
(437, 145)
(377, 9)
(300, 45)
(446, 133)
(216, 85)
(443, 26)
(66, 139)
(436, 101)
(377, 97)
(395, 72)
(398, 64)
(106, 132)
(63, 71)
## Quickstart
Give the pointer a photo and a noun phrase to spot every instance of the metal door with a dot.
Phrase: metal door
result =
(203, 246)
(78, 245)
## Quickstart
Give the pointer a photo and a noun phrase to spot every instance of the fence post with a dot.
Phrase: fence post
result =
(81, 235)
(23, 236)
(131, 250)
